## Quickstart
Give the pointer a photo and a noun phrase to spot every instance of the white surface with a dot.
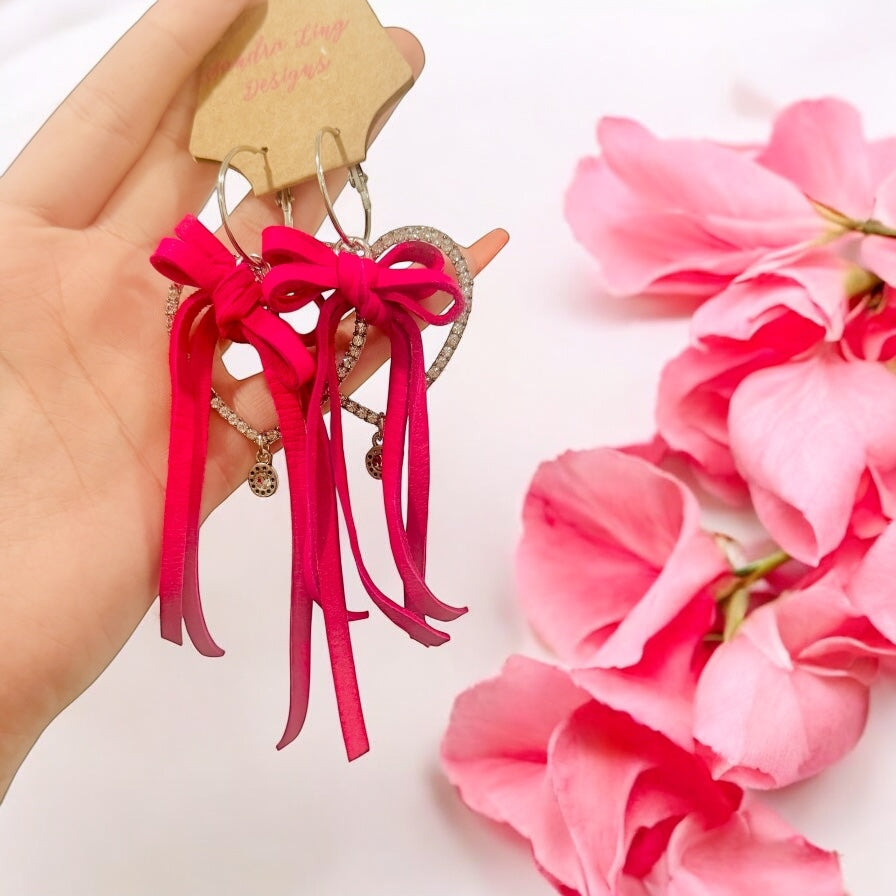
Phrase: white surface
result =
(163, 779)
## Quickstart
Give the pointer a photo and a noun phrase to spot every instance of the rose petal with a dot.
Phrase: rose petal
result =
(871, 335)
(638, 246)
(820, 146)
(601, 752)
(871, 588)
(659, 691)
(807, 288)
(495, 753)
(802, 434)
(692, 407)
(764, 706)
(878, 253)
(882, 158)
(754, 852)
(752, 208)
(600, 573)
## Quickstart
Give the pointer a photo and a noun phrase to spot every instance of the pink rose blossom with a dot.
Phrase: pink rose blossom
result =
(794, 392)
(612, 551)
(804, 435)
(811, 437)
(762, 321)
(612, 572)
(680, 216)
(625, 772)
(788, 695)
(609, 807)
(788, 253)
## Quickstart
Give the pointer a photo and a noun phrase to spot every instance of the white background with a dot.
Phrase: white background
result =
(163, 779)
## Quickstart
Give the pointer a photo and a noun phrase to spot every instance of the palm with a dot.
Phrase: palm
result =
(87, 403)
(83, 359)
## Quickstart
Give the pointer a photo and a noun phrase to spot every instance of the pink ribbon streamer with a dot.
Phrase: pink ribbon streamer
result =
(230, 303)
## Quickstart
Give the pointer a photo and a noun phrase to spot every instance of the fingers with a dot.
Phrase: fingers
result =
(72, 166)
(166, 184)
(142, 213)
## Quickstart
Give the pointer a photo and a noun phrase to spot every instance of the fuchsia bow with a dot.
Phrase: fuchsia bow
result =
(242, 309)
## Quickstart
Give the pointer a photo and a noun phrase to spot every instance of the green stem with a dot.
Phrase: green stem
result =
(873, 227)
(830, 214)
(870, 226)
(753, 572)
(734, 598)
(760, 568)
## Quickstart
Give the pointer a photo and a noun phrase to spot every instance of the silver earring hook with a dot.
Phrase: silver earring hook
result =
(284, 200)
(357, 178)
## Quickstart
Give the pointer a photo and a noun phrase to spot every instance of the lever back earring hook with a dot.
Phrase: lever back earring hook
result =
(222, 202)
(284, 200)
(357, 178)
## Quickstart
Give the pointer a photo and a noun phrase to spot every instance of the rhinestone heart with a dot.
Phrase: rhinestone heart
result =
(456, 258)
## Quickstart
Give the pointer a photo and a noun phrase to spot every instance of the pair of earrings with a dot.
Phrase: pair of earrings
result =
(241, 298)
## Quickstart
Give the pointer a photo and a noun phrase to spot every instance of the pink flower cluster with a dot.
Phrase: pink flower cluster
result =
(784, 395)
(690, 680)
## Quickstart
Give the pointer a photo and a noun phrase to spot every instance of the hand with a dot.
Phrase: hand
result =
(84, 387)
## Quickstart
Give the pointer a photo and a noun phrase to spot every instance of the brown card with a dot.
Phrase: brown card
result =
(284, 71)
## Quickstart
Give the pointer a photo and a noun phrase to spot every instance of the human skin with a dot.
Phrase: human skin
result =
(84, 396)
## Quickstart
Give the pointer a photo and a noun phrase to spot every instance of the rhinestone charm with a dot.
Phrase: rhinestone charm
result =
(263, 479)
(374, 461)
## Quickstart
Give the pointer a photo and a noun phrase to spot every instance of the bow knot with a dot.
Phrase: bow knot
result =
(302, 267)
(195, 258)
(234, 297)
(357, 280)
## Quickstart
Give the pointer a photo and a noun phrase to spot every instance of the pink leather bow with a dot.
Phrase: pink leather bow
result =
(231, 296)
(391, 299)
(230, 303)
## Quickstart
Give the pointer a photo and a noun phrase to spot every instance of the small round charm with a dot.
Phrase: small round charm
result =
(263, 480)
(374, 461)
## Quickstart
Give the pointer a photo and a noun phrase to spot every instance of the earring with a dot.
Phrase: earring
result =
(428, 235)
(392, 299)
(240, 297)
